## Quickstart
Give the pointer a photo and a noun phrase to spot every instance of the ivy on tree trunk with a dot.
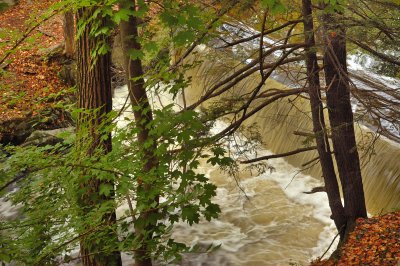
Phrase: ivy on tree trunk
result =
(94, 98)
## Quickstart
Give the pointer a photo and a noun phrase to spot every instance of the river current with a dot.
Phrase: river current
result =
(266, 218)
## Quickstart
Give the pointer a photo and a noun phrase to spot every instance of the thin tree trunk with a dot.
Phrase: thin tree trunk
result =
(341, 120)
(94, 92)
(69, 34)
(143, 117)
(328, 171)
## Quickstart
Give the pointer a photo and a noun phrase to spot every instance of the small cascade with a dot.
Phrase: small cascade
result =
(278, 121)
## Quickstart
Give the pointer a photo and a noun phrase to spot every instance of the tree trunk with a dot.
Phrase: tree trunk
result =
(143, 117)
(341, 120)
(94, 93)
(323, 147)
(69, 34)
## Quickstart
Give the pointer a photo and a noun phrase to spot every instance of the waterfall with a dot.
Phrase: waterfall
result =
(278, 121)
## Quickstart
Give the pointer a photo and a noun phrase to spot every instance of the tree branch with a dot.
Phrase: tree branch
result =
(255, 36)
(280, 155)
(376, 53)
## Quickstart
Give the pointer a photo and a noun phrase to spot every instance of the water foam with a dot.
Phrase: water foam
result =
(252, 219)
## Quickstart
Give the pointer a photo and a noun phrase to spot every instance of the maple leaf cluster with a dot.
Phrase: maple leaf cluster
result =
(374, 241)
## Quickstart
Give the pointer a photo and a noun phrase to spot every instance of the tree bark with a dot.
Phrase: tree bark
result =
(341, 120)
(94, 93)
(323, 147)
(69, 34)
(143, 117)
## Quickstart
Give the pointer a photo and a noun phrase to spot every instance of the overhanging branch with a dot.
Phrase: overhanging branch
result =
(376, 53)
(280, 155)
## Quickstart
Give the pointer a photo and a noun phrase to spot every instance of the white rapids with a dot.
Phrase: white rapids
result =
(266, 219)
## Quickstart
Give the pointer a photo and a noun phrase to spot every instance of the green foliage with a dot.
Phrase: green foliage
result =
(54, 179)
(50, 192)
(185, 21)
(276, 6)
(332, 6)
(3, 6)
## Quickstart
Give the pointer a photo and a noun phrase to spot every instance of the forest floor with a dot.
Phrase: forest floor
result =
(375, 241)
(30, 81)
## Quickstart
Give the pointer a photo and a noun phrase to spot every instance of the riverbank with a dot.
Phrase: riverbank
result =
(375, 241)
(32, 91)
(29, 78)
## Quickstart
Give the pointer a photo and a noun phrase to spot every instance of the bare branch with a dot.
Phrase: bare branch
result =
(255, 36)
(374, 52)
(280, 155)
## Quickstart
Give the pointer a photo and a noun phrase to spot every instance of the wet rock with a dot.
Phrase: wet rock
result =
(46, 137)
(17, 130)
(53, 52)
(14, 131)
